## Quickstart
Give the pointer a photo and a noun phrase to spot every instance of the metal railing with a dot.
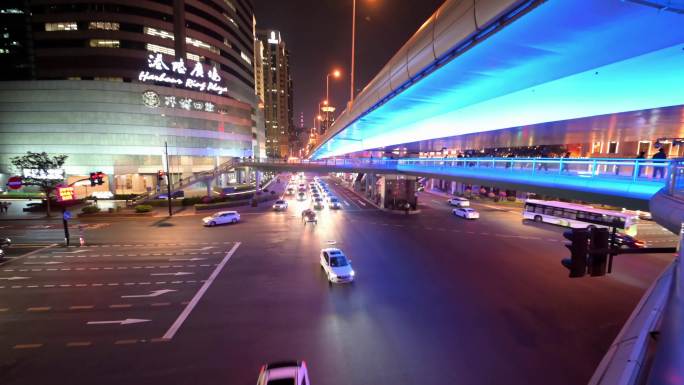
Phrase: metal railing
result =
(190, 180)
(635, 169)
(675, 182)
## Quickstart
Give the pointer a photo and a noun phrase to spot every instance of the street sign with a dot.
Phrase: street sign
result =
(67, 215)
(65, 194)
(14, 182)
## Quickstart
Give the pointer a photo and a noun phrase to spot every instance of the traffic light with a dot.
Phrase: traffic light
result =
(160, 175)
(598, 251)
(93, 179)
(100, 177)
(577, 263)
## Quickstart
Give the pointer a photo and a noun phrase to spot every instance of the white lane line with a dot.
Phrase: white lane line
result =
(346, 203)
(31, 253)
(188, 309)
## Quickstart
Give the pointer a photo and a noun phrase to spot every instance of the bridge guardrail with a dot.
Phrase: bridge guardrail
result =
(639, 170)
(675, 186)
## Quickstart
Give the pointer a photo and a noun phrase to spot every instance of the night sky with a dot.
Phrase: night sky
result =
(318, 36)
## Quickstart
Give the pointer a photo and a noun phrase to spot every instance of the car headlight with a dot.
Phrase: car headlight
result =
(353, 273)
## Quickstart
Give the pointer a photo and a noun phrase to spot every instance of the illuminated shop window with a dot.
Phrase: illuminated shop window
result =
(158, 33)
(61, 26)
(104, 25)
(103, 43)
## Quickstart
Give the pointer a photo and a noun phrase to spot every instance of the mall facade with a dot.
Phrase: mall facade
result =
(111, 83)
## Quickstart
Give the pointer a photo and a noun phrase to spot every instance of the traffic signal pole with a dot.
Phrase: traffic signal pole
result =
(168, 177)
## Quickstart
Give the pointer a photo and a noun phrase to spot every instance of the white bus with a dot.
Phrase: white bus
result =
(578, 216)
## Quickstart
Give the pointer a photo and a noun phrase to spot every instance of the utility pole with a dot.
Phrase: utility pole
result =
(168, 177)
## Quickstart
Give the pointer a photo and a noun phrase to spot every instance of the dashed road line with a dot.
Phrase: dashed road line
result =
(109, 284)
(78, 344)
(27, 346)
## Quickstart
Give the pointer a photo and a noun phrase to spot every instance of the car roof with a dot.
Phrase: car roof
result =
(227, 212)
(333, 251)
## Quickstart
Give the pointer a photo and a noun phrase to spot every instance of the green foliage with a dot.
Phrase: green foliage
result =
(43, 162)
(143, 208)
(90, 209)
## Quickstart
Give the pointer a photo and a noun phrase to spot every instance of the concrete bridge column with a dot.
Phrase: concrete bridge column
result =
(208, 181)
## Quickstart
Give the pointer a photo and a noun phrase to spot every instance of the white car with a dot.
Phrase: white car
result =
(334, 203)
(102, 194)
(222, 217)
(459, 202)
(280, 205)
(466, 213)
(284, 373)
(337, 266)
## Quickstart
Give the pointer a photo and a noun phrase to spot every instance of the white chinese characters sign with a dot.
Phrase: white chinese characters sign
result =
(177, 74)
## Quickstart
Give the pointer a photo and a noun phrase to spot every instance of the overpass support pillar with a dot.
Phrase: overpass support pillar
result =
(257, 177)
(208, 181)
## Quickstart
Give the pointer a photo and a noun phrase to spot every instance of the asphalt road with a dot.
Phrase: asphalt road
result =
(437, 300)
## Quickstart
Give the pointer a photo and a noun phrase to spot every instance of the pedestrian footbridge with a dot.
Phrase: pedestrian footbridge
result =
(628, 183)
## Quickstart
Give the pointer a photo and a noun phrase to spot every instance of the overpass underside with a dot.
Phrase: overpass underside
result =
(562, 60)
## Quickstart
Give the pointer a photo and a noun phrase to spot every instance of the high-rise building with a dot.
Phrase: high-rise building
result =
(109, 82)
(278, 101)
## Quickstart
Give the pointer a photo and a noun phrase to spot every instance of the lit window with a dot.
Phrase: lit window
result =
(4, 50)
(246, 58)
(105, 25)
(226, 43)
(12, 10)
(232, 21)
(200, 44)
(230, 5)
(612, 147)
(171, 52)
(102, 43)
(61, 26)
(158, 33)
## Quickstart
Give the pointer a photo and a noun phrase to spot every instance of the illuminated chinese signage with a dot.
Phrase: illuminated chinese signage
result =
(153, 100)
(196, 79)
(65, 194)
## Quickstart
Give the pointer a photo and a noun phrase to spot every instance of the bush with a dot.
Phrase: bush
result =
(191, 201)
(125, 196)
(90, 209)
(143, 208)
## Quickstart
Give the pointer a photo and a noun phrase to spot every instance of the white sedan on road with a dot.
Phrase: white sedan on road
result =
(336, 266)
(222, 217)
(280, 205)
(466, 213)
(459, 202)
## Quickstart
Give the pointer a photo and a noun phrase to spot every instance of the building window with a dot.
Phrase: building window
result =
(4, 50)
(12, 11)
(644, 146)
(231, 20)
(230, 5)
(612, 147)
(102, 43)
(246, 58)
(596, 147)
(201, 44)
(171, 52)
(158, 33)
(61, 26)
(105, 25)
(109, 79)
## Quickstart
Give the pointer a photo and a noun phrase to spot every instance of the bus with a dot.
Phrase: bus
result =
(578, 216)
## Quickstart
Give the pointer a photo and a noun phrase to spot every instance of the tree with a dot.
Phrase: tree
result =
(42, 163)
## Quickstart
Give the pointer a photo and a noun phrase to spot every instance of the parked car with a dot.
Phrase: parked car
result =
(459, 202)
(337, 266)
(221, 217)
(466, 213)
(280, 205)
(174, 195)
(284, 373)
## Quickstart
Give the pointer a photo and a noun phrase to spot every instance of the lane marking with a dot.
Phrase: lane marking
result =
(188, 309)
(42, 308)
(31, 253)
(125, 342)
(78, 344)
(27, 346)
(81, 307)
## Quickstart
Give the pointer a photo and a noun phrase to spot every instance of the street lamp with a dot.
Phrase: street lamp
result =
(336, 74)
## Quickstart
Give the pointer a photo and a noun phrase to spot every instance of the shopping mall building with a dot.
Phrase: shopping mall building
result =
(110, 83)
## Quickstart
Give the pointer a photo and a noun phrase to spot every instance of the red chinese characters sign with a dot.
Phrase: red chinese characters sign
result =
(65, 194)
